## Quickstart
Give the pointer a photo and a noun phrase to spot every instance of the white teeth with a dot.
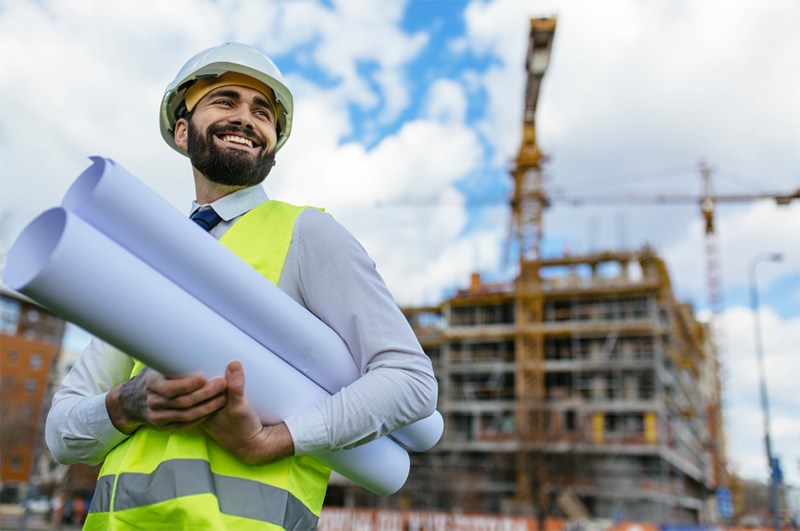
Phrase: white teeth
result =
(238, 140)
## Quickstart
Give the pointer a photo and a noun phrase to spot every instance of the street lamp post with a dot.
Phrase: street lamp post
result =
(773, 489)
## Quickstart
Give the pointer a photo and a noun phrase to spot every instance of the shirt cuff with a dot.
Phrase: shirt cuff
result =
(309, 432)
(100, 425)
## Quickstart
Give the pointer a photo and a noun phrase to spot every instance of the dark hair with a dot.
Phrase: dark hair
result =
(182, 112)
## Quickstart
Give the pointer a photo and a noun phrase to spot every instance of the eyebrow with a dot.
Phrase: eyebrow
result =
(235, 95)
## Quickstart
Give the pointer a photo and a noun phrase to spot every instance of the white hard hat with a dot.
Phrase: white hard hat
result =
(230, 57)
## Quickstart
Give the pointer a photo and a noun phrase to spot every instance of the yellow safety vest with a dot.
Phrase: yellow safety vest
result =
(182, 479)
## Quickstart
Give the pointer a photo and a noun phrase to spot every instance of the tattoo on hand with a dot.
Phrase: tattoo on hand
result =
(133, 397)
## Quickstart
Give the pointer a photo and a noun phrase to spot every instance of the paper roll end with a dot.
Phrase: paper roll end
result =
(85, 183)
(422, 435)
(33, 248)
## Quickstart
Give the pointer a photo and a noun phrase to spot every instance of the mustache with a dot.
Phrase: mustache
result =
(216, 130)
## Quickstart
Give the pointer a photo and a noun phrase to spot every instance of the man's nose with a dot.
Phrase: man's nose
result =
(241, 116)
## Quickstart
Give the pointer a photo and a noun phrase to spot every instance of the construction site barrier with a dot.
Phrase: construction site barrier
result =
(354, 519)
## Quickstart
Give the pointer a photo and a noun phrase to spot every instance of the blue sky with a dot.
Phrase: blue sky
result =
(423, 99)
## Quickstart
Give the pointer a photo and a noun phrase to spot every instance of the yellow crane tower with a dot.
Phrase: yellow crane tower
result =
(527, 206)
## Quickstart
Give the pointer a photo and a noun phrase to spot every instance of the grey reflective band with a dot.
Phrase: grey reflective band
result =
(101, 501)
(183, 477)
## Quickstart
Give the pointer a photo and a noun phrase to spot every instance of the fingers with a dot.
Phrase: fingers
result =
(173, 403)
(172, 387)
(156, 400)
(184, 418)
(235, 380)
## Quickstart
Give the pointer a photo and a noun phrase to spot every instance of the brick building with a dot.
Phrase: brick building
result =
(30, 342)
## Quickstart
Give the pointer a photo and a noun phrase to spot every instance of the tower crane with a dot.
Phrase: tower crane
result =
(527, 206)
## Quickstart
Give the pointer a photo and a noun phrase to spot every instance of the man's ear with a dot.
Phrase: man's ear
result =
(182, 133)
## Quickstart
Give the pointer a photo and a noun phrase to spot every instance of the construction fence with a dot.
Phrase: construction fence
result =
(351, 519)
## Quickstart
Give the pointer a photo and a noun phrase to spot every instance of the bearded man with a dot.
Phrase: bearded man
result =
(187, 453)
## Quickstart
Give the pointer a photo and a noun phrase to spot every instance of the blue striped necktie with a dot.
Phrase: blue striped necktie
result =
(206, 218)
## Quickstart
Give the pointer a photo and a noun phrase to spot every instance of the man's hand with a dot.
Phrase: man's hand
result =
(237, 428)
(151, 399)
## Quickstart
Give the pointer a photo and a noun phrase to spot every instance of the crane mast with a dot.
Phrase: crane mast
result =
(713, 277)
(527, 205)
(528, 200)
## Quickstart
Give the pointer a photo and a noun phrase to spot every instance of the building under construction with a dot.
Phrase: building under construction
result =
(615, 416)
(624, 426)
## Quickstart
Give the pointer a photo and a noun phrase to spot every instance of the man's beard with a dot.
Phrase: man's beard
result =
(229, 167)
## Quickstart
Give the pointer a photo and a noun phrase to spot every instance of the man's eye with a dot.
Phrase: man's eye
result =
(265, 114)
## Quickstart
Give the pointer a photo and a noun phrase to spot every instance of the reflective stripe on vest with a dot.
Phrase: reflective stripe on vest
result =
(182, 479)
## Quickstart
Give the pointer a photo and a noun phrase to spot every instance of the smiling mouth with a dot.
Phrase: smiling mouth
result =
(237, 140)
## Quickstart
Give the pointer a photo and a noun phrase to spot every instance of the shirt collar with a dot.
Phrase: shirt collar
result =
(236, 203)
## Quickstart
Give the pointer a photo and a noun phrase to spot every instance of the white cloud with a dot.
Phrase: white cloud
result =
(445, 101)
(395, 93)
(422, 251)
(458, 46)
(361, 32)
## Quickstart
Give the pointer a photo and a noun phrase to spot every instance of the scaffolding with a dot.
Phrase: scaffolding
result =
(626, 377)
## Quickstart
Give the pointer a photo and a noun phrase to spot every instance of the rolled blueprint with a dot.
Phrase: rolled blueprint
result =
(112, 200)
(67, 265)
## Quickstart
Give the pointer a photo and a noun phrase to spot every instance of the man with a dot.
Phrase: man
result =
(186, 453)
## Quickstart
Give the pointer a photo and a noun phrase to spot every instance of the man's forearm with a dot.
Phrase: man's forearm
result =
(78, 427)
(78, 430)
(380, 402)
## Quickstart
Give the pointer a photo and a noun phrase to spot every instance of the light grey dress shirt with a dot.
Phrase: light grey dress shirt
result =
(329, 273)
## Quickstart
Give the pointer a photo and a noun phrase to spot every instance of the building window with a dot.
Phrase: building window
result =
(13, 356)
(9, 315)
(469, 351)
(647, 385)
(30, 385)
(558, 385)
(461, 426)
(482, 314)
(482, 386)
(434, 353)
(35, 361)
(569, 421)
(496, 426)
(624, 423)
(558, 348)
(8, 382)
(16, 463)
